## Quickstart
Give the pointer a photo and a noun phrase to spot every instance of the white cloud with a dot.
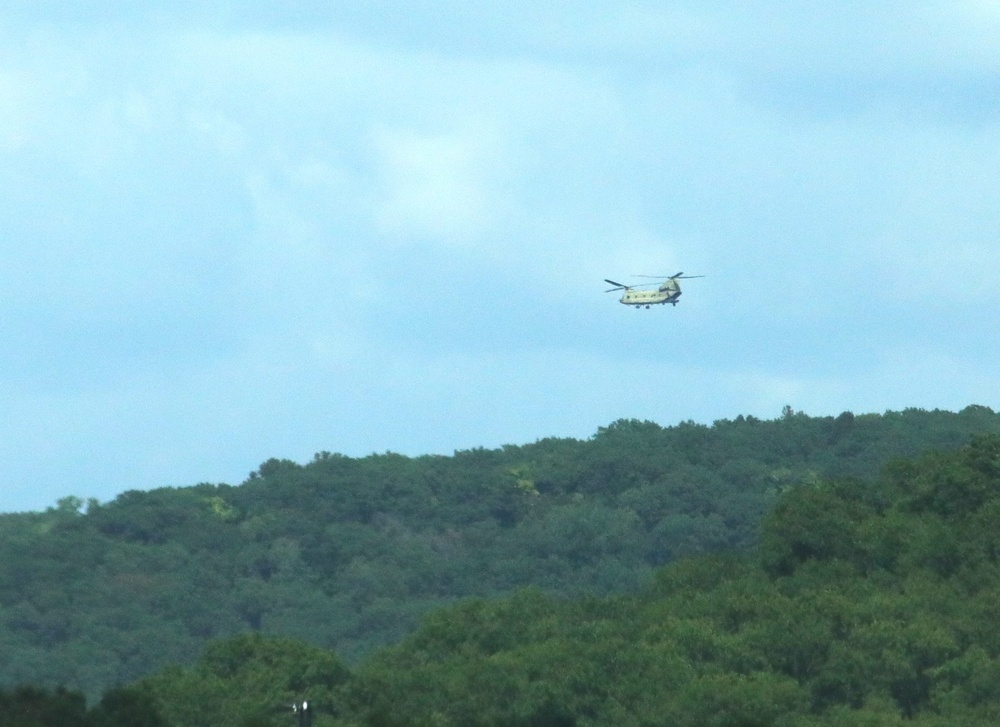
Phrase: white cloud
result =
(966, 34)
(440, 186)
(14, 114)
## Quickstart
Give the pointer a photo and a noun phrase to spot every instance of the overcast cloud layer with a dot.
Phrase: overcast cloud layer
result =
(236, 231)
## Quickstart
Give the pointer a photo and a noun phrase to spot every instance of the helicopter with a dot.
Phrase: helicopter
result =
(667, 291)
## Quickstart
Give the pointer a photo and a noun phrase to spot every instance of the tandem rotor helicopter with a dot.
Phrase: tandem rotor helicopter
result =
(666, 291)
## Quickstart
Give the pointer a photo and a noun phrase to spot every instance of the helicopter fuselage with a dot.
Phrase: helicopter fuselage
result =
(669, 292)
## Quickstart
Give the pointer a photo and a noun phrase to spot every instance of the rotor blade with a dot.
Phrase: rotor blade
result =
(669, 277)
(618, 285)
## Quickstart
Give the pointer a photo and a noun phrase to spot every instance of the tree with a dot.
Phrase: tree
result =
(247, 679)
(126, 707)
(28, 706)
(813, 524)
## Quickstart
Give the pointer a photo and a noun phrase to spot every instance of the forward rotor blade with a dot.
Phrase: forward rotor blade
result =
(618, 286)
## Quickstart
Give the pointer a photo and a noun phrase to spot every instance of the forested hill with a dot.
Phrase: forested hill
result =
(350, 553)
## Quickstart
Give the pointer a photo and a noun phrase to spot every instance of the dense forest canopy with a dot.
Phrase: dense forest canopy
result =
(864, 604)
(350, 554)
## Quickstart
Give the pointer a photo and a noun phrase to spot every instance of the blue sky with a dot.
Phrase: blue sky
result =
(235, 231)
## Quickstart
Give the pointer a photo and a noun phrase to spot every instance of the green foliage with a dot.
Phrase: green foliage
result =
(27, 706)
(813, 523)
(352, 553)
(126, 707)
(844, 616)
(34, 707)
(248, 680)
(759, 699)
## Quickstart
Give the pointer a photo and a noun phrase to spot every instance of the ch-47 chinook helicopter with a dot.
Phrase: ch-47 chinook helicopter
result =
(667, 291)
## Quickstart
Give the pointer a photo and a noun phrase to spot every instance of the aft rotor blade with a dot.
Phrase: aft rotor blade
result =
(670, 277)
